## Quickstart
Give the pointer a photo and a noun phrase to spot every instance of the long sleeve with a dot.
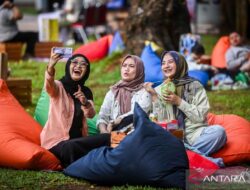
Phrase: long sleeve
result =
(50, 85)
(89, 111)
(198, 109)
(105, 111)
(235, 57)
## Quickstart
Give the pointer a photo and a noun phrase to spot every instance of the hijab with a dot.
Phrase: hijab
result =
(123, 90)
(181, 77)
(185, 88)
(71, 87)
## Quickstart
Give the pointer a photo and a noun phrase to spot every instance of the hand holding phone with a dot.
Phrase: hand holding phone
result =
(65, 52)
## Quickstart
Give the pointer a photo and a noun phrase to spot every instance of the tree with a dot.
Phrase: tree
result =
(160, 21)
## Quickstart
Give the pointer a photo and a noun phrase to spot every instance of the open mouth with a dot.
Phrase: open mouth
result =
(77, 72)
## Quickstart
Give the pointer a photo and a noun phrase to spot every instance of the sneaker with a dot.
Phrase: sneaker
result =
(239, 85)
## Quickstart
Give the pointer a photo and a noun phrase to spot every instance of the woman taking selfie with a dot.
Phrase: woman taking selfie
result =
(71, 102)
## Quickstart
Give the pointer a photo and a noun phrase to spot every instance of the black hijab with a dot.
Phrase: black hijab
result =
(71, 87)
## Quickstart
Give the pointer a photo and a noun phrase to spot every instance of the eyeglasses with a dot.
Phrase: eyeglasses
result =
(81, 64)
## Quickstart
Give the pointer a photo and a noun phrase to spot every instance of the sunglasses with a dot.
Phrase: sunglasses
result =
(81, 64)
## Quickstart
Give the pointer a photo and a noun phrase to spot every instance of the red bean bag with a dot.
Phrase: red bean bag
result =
(237, 148)
(96, 50)
(199, 167)
(218, 55)
(20, 137)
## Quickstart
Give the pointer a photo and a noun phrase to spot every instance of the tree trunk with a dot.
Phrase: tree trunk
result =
(160, 21)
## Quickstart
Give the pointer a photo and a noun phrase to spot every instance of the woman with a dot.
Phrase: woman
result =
(120, 99)
(65, 133)
(189, 106)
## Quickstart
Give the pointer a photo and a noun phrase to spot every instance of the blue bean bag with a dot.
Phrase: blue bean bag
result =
(42, 110)
(117, 43)
(116, 4)
(201, 76)
(148, 156)
(152, 64)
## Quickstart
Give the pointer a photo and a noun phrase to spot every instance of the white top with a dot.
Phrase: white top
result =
(110, 108)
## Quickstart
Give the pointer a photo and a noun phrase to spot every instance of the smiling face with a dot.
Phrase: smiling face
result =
(168, 66)
(128, 70)
(78, 68)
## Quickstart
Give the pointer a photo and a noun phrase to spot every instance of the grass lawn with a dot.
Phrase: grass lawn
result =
(103, 74)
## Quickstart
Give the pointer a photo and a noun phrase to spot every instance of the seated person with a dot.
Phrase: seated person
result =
(238, 55)
(197, 60)
(120, 99)
(189, 105)
(9, 14)
(71, 102)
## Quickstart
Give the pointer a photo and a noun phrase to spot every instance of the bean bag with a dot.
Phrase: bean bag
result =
(200, 167)
(42, 110)
(152, 64)
(96, 50)
(117, 43)
(20, 137)
(218, 55)
(148, 156)
(116, 4)
(237, 148)
(201, 76)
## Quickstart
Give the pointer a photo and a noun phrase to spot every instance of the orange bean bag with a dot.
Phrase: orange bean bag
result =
(218, 55)
(96, 50)
(237, 147)
(20, 137)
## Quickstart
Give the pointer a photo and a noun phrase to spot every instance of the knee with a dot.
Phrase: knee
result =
(220, 133)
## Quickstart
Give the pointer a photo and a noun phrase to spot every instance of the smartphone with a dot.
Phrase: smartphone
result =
(66, 52)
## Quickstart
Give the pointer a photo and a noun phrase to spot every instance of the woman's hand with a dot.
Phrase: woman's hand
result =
(103, 128)
(148, 87)
(172, 98)
(54, 58)
(80, 96)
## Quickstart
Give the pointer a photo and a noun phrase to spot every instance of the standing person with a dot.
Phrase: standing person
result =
(71, 102)
(238, 55)
(120, 99)
(189, 106)
(10, 14)
(70, 14)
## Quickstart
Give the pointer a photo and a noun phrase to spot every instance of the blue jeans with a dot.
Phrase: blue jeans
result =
(210, 141)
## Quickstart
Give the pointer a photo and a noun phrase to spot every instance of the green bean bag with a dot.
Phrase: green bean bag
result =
(42, 110)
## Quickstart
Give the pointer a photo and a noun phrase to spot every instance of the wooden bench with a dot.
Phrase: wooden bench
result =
(21, 89)
(43, 49)
(13, 49)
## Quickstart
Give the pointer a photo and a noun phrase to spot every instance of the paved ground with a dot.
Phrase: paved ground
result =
(28, 23)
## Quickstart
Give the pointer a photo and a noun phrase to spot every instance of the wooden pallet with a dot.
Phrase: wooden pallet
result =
(43, 49)
(13, 49)
(21, 89)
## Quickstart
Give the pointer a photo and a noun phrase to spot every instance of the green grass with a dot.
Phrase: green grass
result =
(103, 74)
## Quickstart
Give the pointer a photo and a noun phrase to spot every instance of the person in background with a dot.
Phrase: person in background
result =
(10, 14)
(197, 60)
(189, 106)
(71, 103)
(120, 99)
(71, 13)
(238, 55)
